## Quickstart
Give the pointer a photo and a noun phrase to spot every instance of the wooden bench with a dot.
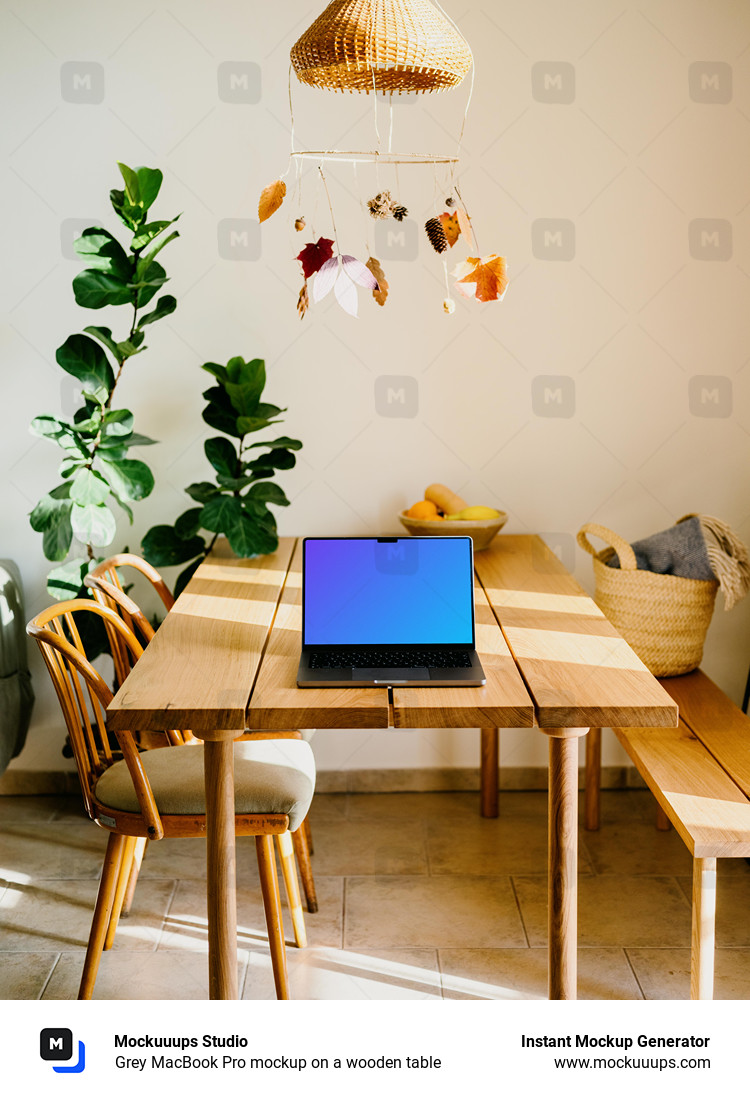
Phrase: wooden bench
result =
(699, 774)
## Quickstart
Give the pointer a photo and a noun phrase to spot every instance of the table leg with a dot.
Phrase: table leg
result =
(221, 889)
(563, 862)
(489, 764)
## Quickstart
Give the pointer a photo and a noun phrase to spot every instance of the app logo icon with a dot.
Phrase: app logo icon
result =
(56, 1045)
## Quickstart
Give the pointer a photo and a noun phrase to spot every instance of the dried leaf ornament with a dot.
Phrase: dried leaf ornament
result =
(313, 256)
(271, 199)
(380, 292)
(303, 301)
(436, 236)
(484, 279)
(451, 227)
(342, 274)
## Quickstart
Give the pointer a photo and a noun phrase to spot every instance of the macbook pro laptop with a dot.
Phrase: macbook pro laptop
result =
(389, 610)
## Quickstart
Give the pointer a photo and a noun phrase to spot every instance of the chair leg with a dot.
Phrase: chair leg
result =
(704, 924)
(489, 761)
(308, 837)
(289, 871)
(141, 845)
(123, 877)
(102, 912)
(593, 780)
(269, 885)
(302, 851)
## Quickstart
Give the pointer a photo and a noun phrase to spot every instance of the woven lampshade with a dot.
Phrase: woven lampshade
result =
(383, 46)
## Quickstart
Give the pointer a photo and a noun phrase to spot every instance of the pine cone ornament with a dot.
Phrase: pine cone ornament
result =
(435, 234)
(380, 206)
(400, 212)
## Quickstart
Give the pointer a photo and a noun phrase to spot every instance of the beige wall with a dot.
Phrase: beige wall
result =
(606, 154)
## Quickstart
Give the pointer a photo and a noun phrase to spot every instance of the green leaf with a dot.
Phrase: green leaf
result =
(247, 538)
(132, 216)
(138, 440)
(277, 459)
(48, 427)
(58, 535)
(146, 262)
(104, 336)
(88, 488)
(147, 233)
(269, 492)
(221, 513)
(93, 523)
(244, 385)
(126, 509)
(118, 422)
(219, 418)
(202, 491)
(247, 424)
(238, 482)
(185, 575)
(222, 455)
(188, 524)
(166, 305)
(44, 512)
(130, 478)
(66, 581)
(95, 289)
(282, 441)
(132, 185)
(103, 252)
(85, 360)
(162, 546)
(149, 183)
(217, 370)
(69, 465)
(147, 288)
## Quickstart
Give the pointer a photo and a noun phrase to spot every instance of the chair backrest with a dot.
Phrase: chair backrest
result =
(108, 571)
(108, 595)
(84, 697)
(106, 585)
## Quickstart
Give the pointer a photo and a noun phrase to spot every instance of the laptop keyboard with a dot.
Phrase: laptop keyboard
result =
(391, 658)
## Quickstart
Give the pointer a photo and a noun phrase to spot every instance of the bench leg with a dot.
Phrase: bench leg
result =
(593, 780)
(703, 934)
(662, 821)
(489, 764)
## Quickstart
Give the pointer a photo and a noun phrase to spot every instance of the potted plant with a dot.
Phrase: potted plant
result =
(236, 503)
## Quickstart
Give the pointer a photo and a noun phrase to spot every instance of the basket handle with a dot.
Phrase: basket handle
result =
(624, 549)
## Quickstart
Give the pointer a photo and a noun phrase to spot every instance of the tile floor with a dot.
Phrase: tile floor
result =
(419, 898)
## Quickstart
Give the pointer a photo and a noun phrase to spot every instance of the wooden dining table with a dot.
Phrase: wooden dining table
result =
(225, 660)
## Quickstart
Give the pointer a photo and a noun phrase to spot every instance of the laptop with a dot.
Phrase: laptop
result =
(388, 610)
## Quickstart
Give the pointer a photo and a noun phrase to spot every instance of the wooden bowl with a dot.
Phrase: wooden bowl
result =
(482, 531)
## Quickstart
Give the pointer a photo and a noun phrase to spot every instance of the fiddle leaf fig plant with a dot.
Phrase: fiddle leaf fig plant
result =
(96, 467)
(236, 503)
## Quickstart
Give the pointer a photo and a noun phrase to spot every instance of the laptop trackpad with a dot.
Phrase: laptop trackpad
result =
(390, 675)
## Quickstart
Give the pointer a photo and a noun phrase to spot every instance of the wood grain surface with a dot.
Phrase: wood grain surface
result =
(578, 669)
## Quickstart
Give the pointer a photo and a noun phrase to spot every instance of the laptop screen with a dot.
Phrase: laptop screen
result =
(388, 591)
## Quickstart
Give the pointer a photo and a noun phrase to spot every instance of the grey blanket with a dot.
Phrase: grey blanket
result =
(680, 551)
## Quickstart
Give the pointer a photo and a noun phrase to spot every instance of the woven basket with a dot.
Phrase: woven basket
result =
(381, 45)
(663, 618)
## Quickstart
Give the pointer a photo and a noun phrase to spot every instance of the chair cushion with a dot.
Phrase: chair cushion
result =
(270, 777)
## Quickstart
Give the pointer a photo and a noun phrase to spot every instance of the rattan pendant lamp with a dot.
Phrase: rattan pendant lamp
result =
(381, 46)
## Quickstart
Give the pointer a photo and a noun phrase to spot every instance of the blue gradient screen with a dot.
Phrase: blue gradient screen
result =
(409, 591)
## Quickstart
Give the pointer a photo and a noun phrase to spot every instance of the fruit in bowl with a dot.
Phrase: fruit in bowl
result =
(443, 512)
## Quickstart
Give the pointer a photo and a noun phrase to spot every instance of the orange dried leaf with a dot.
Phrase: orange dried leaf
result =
(271, 199)
(485, 279)
(303, 301)
(464, 222)
(451, 227)
(380, 293)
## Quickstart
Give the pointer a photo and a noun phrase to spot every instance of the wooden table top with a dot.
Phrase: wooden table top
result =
(226, 656)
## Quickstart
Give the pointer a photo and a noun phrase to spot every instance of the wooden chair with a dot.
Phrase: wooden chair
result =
(105, 584)
(152, 795)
